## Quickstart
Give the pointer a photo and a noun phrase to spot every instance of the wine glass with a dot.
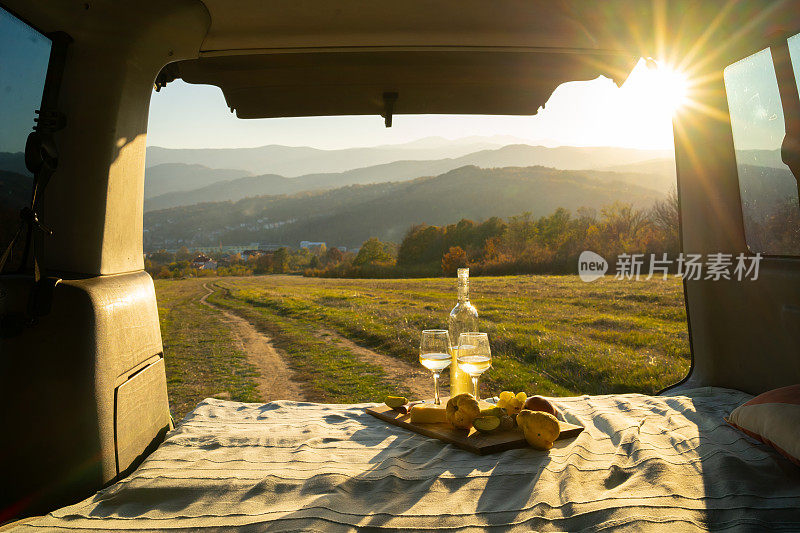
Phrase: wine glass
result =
(434, 354)
(474, 356)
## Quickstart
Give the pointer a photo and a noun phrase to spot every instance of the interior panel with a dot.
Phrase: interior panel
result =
(474, 81)
(59, 379)
(141, 416)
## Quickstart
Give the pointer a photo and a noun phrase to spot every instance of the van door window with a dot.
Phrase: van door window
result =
(768, 188)
(24, 54)
(794, 54)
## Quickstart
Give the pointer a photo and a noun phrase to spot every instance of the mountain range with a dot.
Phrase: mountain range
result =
(349, 215)
(294, 161)
(171, 178)
(277, 194)
(660, 172)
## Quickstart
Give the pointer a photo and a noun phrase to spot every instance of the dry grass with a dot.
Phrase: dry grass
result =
(552, 335)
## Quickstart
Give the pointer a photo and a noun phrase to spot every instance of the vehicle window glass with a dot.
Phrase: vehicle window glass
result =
(768, 188)
(24, 54)
(794, 54)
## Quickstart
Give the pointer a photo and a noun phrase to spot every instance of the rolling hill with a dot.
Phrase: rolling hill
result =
(293, 161)
(273, 184)
(13, 162)
(520, 155)
(349, 215)
(178, 177)
(299, 160)
(658, 174)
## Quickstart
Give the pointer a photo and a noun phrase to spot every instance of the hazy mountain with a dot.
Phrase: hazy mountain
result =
(659, 174)
(300, 160)
(272, 184)
(562, 157)
(171, 177)
(291, 161)
(347, 216)
(473, 143)
(13, 162)
(566, 157)
(760, 158)
(764, 188)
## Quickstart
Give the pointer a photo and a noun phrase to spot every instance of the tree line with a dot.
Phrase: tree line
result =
(164, 264)
(520, 244)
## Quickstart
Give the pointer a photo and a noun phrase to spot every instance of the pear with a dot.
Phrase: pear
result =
(462, 410)
(541, 429)
(537, 403)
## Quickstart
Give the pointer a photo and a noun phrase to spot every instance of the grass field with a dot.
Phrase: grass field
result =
(551, 335)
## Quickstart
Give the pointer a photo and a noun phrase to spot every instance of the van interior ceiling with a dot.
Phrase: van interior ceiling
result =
(83, 376)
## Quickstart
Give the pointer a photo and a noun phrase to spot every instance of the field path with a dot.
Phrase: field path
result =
(275, 381)
(414, 378)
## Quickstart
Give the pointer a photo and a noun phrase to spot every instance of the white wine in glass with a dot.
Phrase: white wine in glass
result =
(474, 356)
(434, 354)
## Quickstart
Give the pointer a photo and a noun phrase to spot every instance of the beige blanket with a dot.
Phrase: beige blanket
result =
(643, 462)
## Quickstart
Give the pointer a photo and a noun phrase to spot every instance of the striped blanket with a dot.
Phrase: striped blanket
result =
(655, 463)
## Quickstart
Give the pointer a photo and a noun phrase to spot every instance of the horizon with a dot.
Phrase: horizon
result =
(517, 142)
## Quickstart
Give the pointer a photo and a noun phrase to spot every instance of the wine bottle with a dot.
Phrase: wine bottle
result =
(463, 318)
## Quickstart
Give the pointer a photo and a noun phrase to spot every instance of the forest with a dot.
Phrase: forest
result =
(521, 244)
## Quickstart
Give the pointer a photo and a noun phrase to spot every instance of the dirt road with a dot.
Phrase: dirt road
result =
(275, 381)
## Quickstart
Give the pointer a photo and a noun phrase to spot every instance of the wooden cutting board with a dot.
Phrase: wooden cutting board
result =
(473, 440)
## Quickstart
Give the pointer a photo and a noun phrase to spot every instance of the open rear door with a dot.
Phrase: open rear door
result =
(739, 196)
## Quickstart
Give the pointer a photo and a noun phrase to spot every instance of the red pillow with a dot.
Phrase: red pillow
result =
(772, 418)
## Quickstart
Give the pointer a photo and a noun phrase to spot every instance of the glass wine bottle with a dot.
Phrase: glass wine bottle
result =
(463, 319)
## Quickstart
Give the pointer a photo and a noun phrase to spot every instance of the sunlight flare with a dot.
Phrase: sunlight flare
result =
(657, 87)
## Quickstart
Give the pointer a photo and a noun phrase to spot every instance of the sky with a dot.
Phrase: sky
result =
(586, 113)
(582, 113)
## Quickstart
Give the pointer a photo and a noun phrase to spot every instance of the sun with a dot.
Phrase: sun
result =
(671, 88)
(657, 87)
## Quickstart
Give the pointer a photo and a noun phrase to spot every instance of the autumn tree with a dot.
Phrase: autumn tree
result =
(373, 252)
(280, 260)
(454, 259)
(421, 244)
(263, 264)
(333, 256)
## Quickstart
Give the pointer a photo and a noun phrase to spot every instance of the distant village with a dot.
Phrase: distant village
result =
(250, 259)
(213, 257)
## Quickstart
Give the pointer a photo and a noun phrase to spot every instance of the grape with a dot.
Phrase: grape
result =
(505, 396)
